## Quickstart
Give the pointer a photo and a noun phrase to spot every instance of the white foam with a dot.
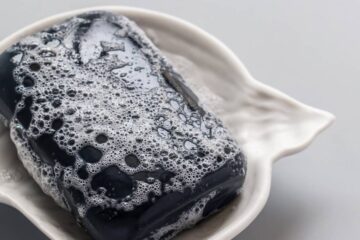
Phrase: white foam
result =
(121, 96)
(186, 220)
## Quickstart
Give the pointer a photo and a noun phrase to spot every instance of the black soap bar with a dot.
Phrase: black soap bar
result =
(112, 132)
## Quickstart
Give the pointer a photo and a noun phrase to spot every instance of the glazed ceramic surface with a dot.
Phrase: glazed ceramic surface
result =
(267, 124)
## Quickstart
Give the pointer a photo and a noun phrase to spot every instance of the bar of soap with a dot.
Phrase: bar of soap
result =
(110, 130)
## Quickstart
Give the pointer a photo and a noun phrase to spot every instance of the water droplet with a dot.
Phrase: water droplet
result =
(163, 133)
(190, 145)
(182, 117)
(17, 58)
(53, 43)
(112, 46)
(47, 53)
(174, 104)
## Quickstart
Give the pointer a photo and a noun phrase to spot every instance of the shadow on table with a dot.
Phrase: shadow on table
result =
(281, 218)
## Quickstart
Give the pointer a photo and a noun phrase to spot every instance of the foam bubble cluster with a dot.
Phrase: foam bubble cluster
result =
(103, 120)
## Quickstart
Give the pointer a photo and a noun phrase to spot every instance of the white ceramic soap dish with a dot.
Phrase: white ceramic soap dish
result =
(267, 123)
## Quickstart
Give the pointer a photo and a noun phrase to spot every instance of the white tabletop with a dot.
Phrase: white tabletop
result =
(308, 49)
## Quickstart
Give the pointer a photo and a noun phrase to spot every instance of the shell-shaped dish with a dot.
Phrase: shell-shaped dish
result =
(267, 123)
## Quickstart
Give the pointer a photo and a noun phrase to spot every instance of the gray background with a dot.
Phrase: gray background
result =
(309, 49)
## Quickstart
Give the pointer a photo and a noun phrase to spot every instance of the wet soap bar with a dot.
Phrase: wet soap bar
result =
(111, 131)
